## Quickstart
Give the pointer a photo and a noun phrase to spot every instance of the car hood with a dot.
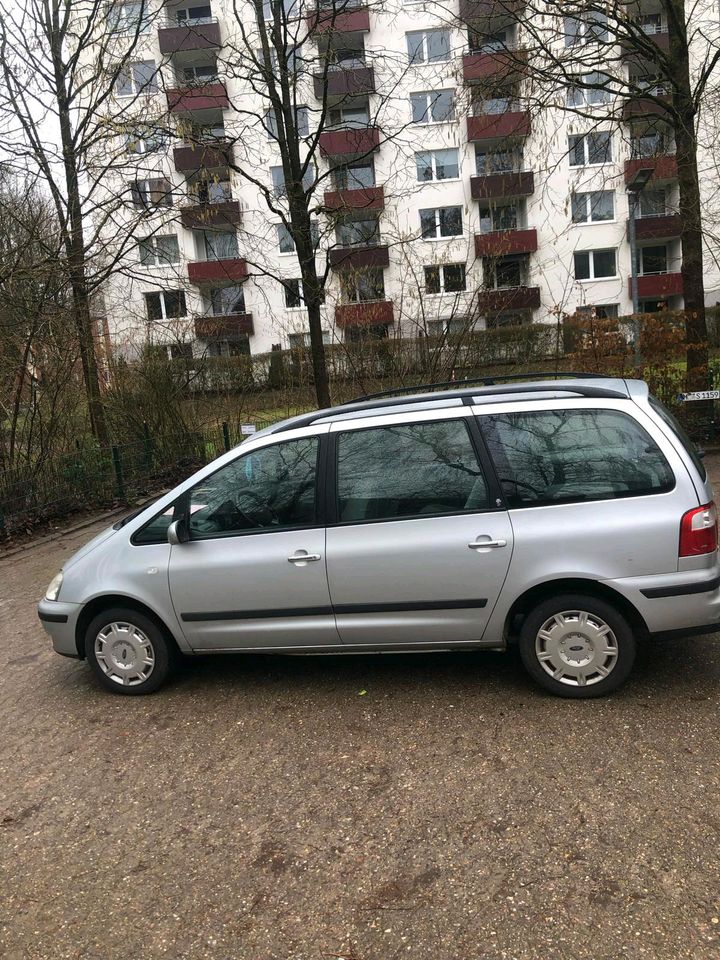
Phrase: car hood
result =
(89, 547)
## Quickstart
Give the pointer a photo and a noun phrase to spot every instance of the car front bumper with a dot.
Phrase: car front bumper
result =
(60, 621)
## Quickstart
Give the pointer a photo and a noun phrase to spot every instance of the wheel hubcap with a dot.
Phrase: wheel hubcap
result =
(576, 648)
(125, 653)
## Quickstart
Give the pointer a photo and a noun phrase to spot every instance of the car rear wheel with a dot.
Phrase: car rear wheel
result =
(577, 646)
(128, 651)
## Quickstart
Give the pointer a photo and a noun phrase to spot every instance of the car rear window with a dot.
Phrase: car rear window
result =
(568, 456)
(679, 432)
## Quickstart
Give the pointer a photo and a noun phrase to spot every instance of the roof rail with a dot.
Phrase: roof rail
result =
(465, 395)
(488, 381)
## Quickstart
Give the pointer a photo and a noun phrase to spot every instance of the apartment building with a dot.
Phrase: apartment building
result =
(444, 200)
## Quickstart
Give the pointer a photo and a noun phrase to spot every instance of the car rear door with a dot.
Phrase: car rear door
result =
(418, 544)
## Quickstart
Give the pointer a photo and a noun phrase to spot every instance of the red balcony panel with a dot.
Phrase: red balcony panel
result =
(374, 313)
(199, 156)
(664, 167)
(661, 41)
(351, 141)
(202, 215)
(217, 271)
(501, 242)
(497, 185)
(658, 286)
(213, 96)
(500, 64)
(492, 126)
(357, 258)
(224, 328)
(512, 298)
(346, 21)
(658, 228)
(345, 83)
(200, 36)
(489, 9)
(642, 107)
(365, 198)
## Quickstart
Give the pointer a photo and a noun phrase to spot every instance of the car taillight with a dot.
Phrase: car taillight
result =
(698, 531)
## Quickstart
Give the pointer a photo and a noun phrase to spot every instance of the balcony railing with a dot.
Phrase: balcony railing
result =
(202, 33)
(362, 198)
(664, 226)
(211, 96)
(498, 185)
(349, 141)
(203, 156)
(490, 125)
(369, 313)
(471, 10)
(358, 257)
(226, 326)
(500, 64)
(345, 18)
(655, 104)
(502, 242)
(508, 298)
(340, 81)
(657, 286)
(664, 167)
(221, 214)
(217, 271)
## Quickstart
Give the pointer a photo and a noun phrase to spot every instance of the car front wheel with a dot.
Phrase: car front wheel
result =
(577, 646)
(127, 651)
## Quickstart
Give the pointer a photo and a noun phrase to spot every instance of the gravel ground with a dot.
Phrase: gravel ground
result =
(435, 807)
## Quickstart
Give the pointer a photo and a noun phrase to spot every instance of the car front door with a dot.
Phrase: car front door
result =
(418, 545)
(252, 573)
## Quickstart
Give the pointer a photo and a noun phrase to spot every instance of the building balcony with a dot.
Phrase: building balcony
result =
(212, 96)
(658, 286)
(664, 167)
(471, 10)
(641, 108)
(509, 298)
(203, 156)
(659, 41)
(348, 20)
(358, 258)
(372, 313)
(664, 227)
(499, 243)
(349, 141)
(364, 198)
(498, 185)
(217, 271)
(498, 126)
(201, 215)
(499, 65)
(227, 327)
(199, 36)
(353, 82)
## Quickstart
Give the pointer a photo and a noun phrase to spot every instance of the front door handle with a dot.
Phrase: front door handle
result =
(303, 557)
(480, 544)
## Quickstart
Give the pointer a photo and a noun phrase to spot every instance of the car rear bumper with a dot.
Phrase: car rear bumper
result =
(687, 601)
(59, 621)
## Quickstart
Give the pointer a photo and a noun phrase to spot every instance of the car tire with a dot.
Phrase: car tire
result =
(128, 652)
(578, 646)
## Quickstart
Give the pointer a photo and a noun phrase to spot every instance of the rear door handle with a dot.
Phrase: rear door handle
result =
(303, 557)
(479, 544)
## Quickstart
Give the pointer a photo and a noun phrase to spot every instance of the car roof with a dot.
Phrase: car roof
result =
(429, 396)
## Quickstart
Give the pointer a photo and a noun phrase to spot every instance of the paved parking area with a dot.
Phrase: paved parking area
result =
(435, 807)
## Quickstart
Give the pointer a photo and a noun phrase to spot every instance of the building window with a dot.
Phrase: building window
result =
(287, 9)
(652, 143)
(159, 250)
(199, 76)
(593, 207)
(591, 90)
(193, 16)
(428, 46)
(302, 123)
(278, 179)
(286, 241)
(151, 193)
(496, 217)
(294, 297)
(652, 260)
(454, 326)
(501, 273)
(204, 191)
(590, 27)
(603, 311)
(144, 140)
(181, 351)
(227, 300)
(217, 244)
(300, 341)
(441, 222)
(128, 16)
(482, 42)
(165, 305)
(358, 233)
(136, 78)
(500, 160)
(437, 165)
(590, 149)
(652, 203)
(446, 278)
(350, 118)
(595, 264)
(354, 176)
(432, 106)
(362, 286)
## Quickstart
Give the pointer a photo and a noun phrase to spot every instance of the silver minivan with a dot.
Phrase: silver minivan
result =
(571, 517)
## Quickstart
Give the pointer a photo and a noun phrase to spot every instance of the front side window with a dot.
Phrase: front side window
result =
(269, 489)
(136, 78)
(159, 250)
(409, 470)
(441, 222)
(593, 207)
(568, 456)
(437, 165)
(594, 264)
(165, 305)
(428, 46)
(432, 106)
(446, 278)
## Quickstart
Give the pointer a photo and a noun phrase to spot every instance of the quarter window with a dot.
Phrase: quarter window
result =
(409, 470)
(594, 264)
(568, 456)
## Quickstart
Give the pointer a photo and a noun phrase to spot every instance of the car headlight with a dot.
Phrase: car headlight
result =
(53, 590)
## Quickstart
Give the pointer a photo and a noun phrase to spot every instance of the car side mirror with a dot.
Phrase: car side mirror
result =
(177, 533)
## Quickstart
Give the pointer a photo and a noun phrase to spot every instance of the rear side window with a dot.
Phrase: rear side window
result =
(567, 456)
(679, 432)
(409, 470)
